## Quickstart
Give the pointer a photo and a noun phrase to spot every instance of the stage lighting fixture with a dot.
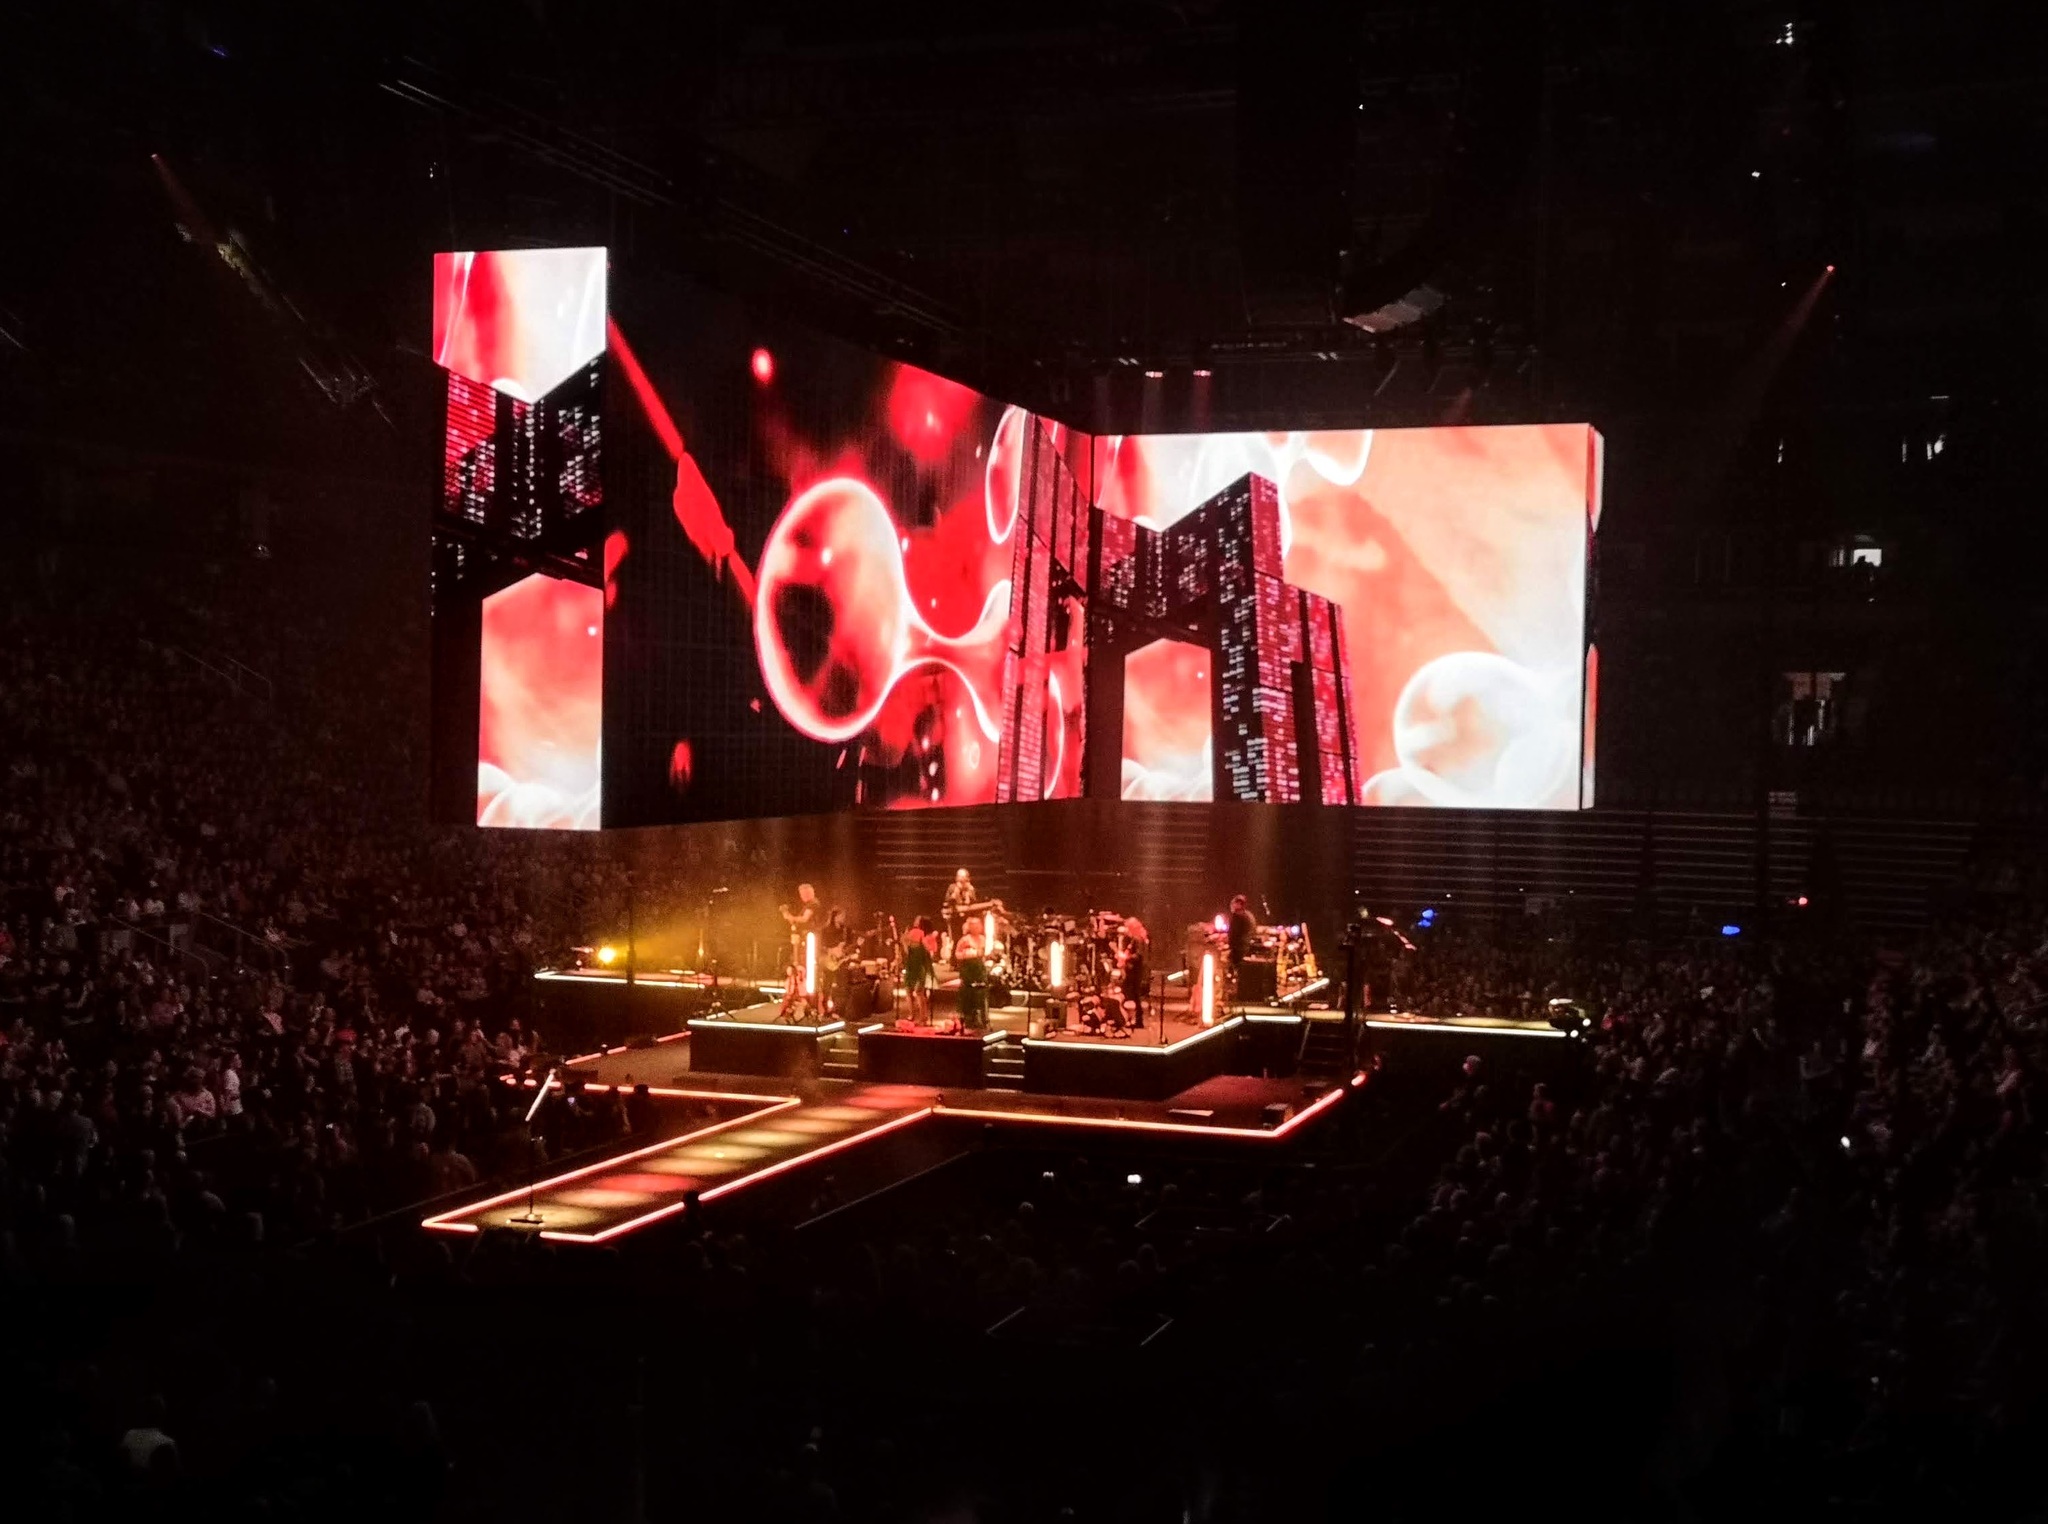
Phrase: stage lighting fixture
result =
(1222, 923)
(810, 963)
(762, 364)
(607, 955)
(1056, 965)
(1203, 375)
(1208, 989)
(1731, 931)
(1140, 1179)
(1160, 375)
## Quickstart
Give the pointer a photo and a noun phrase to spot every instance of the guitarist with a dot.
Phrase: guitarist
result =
(802, 919)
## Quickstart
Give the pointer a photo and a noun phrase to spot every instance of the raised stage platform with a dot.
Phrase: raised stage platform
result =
(766, 1098)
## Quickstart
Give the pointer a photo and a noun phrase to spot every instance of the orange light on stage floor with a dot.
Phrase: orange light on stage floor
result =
(1208, 989)
(1315, 1108)
(452, 1221)
(1056, 965)
(810, 963)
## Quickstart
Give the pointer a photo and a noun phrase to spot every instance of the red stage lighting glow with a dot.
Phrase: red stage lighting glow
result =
(762, 364)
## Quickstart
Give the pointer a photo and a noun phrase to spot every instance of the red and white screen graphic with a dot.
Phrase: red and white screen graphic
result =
(1398, 615)
(520, 321)
(933, 644)
(541, 705)
(865, 585)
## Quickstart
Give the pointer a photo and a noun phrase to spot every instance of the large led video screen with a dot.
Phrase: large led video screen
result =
(541, 697)
(834, 580)
(754, 571)
(520, 334)
(1380, 617)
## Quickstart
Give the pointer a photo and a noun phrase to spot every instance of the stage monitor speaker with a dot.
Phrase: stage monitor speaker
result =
(1258, 981)
(860, 1001)
(1274, 1114)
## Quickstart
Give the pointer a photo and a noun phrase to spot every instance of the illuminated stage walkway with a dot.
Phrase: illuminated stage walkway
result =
(765, 1134)
(771, 1134)
(764, 1127)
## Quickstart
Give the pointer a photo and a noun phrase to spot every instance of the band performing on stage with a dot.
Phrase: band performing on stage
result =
(1094, 972)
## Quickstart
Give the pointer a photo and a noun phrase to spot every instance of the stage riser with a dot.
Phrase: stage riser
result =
(1120, 1071)
(791, 1052)
(576, 1017)
(902, 1059)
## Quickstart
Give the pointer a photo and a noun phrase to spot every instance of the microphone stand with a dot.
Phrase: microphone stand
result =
(532, 1218)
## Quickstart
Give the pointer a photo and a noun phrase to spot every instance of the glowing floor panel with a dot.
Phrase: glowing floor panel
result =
(602, 1201)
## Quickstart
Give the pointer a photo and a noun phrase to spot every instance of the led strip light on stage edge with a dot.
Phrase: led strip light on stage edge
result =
(1124, 1124)
(445, 1221)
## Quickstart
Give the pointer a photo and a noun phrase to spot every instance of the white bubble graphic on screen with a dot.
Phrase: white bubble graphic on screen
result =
(1475, 729)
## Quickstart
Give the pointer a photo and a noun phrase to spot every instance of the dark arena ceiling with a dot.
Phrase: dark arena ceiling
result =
(1572, 208)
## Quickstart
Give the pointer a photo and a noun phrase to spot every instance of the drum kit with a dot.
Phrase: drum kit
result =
(1085, 958)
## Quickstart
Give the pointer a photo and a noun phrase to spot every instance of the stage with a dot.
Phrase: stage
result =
(767, 1126)
(766, 1098)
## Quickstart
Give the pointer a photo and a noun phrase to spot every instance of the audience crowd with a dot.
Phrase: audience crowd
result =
(249, 1001)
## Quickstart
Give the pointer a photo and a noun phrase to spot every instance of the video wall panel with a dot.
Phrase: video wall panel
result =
(830, 580)
(541, 705)
(1398, 615)
(835, 580)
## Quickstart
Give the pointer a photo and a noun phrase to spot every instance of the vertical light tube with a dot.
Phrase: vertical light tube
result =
(1057, 957)
(1208, 989)
(810, 963)
(988, 931)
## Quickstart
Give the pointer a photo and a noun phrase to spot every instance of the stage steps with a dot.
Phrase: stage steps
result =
(1003, 1066)
(1324, 1053)
(839, 1057)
